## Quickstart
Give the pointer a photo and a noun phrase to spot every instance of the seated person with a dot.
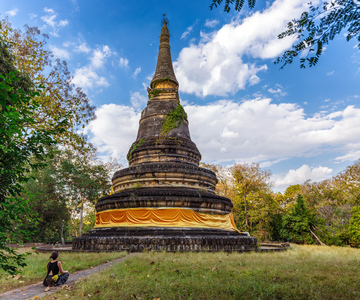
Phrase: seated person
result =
(52, 272)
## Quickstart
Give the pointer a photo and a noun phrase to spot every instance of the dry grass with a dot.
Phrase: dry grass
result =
(36, 266)
(304, 272)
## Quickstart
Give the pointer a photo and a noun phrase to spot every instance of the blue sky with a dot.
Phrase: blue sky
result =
(300, 124)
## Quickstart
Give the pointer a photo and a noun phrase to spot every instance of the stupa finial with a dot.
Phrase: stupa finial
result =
(164, 20)
(164, 67)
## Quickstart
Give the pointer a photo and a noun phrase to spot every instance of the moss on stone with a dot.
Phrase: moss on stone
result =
(134, 148)
(137, 186)
(155, 93)
(173, 120)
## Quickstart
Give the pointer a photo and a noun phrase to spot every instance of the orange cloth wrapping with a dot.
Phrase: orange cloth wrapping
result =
(162, 217)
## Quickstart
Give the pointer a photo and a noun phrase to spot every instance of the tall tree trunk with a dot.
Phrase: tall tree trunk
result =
(81, 215)
(246, 218)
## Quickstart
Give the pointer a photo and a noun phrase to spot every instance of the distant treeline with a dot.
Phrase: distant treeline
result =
(326, 212)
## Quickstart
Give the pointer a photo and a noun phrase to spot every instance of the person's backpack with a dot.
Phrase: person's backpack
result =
(49, 280)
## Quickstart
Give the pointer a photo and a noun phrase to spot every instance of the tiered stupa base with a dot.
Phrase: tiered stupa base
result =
(164, 239)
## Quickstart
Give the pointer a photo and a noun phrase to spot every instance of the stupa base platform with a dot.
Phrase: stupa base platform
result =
(164, 239)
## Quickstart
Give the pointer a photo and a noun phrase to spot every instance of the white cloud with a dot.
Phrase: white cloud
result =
(32, 16)
(86, 78)
(60, 53)
(63, 23)
(137, 100)
(353, 153)
(330, 73)
(50, 20)
(12, 12)
(82, 48)
(114, 129)
(123, 62)
(300, 175)
(211, 23)
(49, 10)
(226, 133)
(260, 131)
(278, 91)
(187, 32)
(136, 73)
(269, 163)
(220, 64)
(99, 56)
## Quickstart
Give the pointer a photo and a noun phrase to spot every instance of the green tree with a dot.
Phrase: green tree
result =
(22, 148)
(247, 180)
(48, 204)
(348, 182)
(299, 224)
(223, 186)
(59, 98)
(317, 27)
(263, 208)
(83, 179)
(354, 228)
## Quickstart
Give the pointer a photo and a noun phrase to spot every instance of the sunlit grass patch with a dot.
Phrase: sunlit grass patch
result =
(304, 272)
(36, 266)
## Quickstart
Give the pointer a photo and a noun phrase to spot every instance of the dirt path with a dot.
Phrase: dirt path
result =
(37, 289)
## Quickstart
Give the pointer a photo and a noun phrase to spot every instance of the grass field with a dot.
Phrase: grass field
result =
(303, 272)
(36, 266)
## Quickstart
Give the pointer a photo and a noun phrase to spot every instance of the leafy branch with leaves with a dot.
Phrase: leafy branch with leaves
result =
(317, 27)
(238, 4)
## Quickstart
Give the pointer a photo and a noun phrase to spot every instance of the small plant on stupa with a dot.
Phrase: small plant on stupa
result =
(134, 148)
(154, 93)
(137, 185)
(173, 120)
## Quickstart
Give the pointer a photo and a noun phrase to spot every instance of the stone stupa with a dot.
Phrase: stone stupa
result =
(164, 200)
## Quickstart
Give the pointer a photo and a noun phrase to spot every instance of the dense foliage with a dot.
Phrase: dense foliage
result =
(354, 226)
(325, 212)
(23, 147)
(298, 223)
(63, 193)
(39, 109)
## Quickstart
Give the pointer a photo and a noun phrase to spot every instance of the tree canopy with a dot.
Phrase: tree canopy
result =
(23, 147)
(39, 108)
(59, 98)
(247, 180)
(317, 27)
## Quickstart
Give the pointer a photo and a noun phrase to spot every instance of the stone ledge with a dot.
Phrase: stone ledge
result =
(160, 243)
(164, 167)
(197, 200)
